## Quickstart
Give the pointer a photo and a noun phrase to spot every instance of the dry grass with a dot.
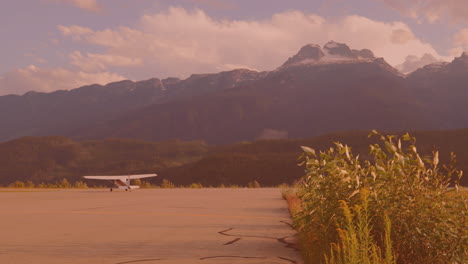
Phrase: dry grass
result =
(307, 240)
(294, 202)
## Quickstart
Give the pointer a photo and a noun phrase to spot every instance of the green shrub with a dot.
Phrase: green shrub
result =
(30, 184)
(18, 184)
(64, 184)
(195, 186)
(137, 182)
(428, 226)
(253, 184)
(166, 184)
(80, 185)
(145, 185)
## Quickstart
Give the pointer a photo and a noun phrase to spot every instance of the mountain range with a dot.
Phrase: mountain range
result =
(316, 91)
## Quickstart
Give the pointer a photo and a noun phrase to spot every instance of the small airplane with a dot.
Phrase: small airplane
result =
(122, 181)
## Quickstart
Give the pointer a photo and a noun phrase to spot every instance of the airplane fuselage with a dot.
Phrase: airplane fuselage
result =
(124, 184)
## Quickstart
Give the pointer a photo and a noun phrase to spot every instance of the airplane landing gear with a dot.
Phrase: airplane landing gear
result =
(111, 189)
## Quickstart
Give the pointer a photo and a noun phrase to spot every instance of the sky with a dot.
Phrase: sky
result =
(50, 45)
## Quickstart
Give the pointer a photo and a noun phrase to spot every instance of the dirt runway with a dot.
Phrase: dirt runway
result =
(146, 226)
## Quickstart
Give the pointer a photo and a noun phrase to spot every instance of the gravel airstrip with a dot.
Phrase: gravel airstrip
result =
(146, 226)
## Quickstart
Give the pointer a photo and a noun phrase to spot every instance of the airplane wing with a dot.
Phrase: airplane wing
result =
(140, 176)
(105, 177)
(120, 177)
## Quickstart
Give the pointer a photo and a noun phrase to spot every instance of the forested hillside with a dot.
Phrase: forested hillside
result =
(49, 159)
(274, 162)
(270, 162)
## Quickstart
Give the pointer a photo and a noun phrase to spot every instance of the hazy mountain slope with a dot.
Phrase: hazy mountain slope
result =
(61, 112)
(443, 87)
(65, 112)
(316, 91)
(301, 100)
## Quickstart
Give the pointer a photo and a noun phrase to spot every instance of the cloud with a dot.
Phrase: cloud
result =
(461, 38)
(402, 36)
(99, 62)
(432, 10)
(216, 4)
(178, 42)
(33, 78)
(460, 41)
(75, 31)
(88, 5)
(413, 63)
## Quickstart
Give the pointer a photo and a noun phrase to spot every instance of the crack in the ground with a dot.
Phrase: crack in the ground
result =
(288, 244)
(233, 257)
(288, 224)
(232, 242)
(224, 232)
(281, 239)
(290, 260)
(140, 260)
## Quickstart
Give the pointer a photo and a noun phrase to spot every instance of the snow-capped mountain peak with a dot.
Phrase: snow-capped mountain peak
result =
(310, 53)
(332, 52)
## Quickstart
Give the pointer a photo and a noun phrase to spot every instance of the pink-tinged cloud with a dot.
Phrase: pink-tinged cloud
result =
(178, 42)
(75, 31)
(402, 36)
(432, 10)
(87, 5)
(461, 38)
(460, 41)
(413, 63)
(99, 62)
(216, 4)
(33, 78)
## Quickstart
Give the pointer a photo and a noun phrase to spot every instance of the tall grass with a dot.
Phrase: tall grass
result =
(356, 244)
(404, 189)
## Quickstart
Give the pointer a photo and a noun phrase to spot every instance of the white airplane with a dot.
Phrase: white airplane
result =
(122, 181)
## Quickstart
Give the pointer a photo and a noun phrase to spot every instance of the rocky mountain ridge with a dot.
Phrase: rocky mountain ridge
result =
(316, 91)
(332, 52)
(63, 112)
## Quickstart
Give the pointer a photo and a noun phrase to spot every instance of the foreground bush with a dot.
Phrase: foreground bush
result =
(428, 226)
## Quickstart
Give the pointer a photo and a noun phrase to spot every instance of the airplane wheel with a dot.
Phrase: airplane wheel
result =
(111, 189)
(126, 190)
